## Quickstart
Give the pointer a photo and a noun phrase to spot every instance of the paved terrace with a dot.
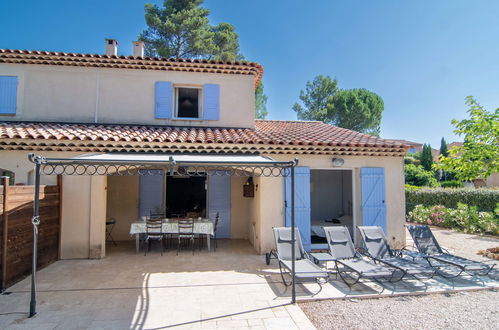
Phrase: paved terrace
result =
(229, 288)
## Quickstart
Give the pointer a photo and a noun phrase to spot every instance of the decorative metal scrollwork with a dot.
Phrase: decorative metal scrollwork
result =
(153, 169)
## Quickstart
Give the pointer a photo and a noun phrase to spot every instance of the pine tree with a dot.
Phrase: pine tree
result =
(443, 148)
(426, 157)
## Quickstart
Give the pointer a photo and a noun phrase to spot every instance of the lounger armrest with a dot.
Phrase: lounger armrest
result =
(412, 254)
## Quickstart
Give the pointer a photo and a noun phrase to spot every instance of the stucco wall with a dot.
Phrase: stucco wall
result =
(270, 200)
(239, 213)
(123, 204)
(72, 94)
(83, 214)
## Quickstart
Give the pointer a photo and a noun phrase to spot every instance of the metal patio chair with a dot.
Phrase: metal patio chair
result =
(305, 269)
(377, 248)
(185, 233)
(348, 261)
(441, 259)
(110, 223)
(154, 232)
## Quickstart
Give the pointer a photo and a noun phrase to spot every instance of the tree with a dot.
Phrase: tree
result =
(260, 102)
(478, 157)
(418, 176)
(443, 148)
(426, 157)
(181, 29)
(317, 99)
(355, 109)
(358, 109)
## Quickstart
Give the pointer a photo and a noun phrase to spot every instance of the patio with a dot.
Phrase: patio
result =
(229, 288)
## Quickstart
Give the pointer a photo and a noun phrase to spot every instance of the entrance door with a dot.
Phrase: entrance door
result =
(151, 193)
(373, 196)
(219, 201)
(302, 203)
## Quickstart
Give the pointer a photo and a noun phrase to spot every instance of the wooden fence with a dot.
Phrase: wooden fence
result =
(16, 230)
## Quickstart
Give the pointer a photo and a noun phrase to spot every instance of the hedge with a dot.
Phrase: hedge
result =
(485, 200)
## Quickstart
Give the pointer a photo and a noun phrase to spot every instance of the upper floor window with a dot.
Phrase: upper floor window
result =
(187, 102)
(8, 95)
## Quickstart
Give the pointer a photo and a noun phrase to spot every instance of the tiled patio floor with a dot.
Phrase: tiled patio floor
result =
(232, 288)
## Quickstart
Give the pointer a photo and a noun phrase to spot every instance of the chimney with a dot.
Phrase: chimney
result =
(138, 49)
(111, 47)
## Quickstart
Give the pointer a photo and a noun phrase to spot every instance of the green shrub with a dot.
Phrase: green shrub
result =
(418, 176)
(485, 200)
(451, 184)
(464, 217)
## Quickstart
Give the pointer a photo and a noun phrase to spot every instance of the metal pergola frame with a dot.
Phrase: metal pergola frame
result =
(83, 166)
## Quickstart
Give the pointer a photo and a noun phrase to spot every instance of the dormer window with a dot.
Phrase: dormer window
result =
(187, 102)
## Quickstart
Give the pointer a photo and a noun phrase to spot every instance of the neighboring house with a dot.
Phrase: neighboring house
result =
(418, 147)
(65, 105)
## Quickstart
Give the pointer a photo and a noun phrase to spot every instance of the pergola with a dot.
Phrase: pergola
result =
(152, 164)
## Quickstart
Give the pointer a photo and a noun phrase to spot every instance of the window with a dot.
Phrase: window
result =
(8, 95)
(187, 102)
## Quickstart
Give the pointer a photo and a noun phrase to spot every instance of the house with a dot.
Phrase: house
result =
(68, 105)
(415, 147)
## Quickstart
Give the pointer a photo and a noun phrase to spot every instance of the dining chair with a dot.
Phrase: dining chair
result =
(185, 232)
(168, 236)
(217, 219)
(154, 232)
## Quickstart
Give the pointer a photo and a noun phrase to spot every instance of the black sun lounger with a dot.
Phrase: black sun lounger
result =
(305, 269)
(377, 247)
(348, 261)
(429, 249)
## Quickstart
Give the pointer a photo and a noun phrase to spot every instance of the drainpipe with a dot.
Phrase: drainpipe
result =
(97, 88)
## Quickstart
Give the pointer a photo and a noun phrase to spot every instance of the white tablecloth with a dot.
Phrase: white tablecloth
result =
(204, 227)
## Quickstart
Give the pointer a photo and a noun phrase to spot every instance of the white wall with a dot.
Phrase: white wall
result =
(121, 96)
(330, 191)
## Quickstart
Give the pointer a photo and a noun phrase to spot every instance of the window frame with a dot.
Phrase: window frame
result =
(176, 88)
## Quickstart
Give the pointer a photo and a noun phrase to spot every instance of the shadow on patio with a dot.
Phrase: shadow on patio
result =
(231, 287)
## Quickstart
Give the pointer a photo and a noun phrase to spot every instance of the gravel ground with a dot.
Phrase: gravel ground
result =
(462, 310)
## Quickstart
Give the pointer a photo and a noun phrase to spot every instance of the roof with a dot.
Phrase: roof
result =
(17, 56)
(307, 135)
(409, 143)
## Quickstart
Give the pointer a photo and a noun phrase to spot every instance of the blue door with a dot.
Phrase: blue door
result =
(373, 196)
(151, 193)
(219, 201)
(302, 203)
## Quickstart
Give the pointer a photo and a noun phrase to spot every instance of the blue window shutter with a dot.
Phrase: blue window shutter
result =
(373, 196)
(211, 102)
(219, 201)
(302, 203)
(163, 100)
(8, 95)
(151, 192)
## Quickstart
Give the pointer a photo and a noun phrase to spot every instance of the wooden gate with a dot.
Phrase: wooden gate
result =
(16, 230)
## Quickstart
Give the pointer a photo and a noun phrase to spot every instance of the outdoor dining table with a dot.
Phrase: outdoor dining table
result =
(170, 226)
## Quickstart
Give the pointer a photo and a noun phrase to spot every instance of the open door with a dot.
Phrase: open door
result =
(302, 203)
(373, 197)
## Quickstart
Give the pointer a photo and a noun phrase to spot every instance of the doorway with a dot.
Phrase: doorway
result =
(331, 203)
(185, 196)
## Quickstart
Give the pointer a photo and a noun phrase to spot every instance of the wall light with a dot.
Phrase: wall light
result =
(337, 162)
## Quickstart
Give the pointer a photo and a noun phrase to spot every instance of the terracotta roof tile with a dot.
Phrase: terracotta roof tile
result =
(17, 56)
(270, 132)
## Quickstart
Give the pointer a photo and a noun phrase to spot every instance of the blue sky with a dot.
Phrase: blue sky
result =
(422, 57)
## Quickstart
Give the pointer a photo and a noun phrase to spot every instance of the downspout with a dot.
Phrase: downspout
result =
(97, 88)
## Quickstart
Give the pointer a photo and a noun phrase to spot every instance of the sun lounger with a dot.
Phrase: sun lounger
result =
(437, 257)
(348, 261)
(305, 269)
(377, 247)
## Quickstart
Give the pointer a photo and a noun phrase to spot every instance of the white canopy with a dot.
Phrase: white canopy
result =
(177, 158)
